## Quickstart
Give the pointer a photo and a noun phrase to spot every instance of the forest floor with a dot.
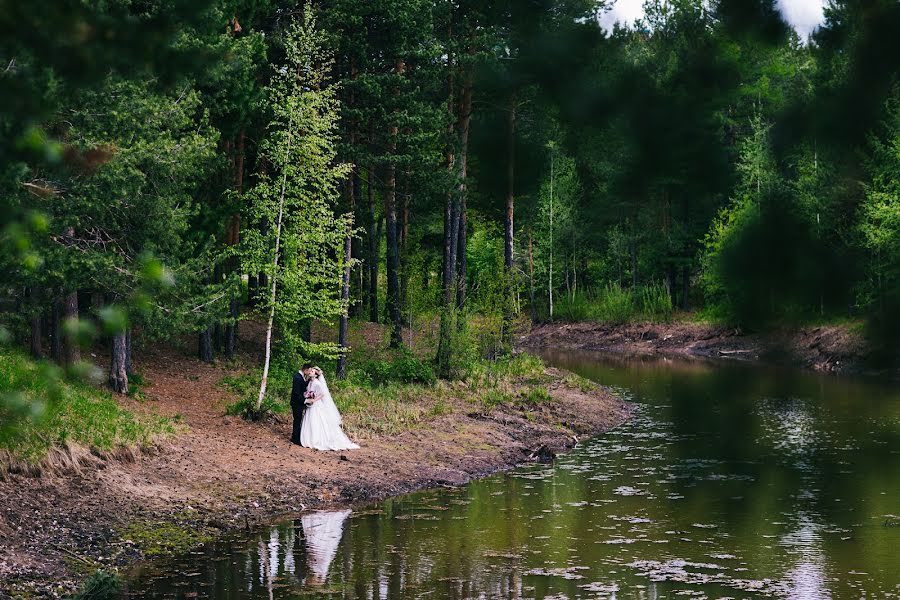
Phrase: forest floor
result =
(223, 473)
(839, 349)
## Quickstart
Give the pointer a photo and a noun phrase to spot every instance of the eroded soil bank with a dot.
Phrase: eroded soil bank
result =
(224, 474)
(832, 349)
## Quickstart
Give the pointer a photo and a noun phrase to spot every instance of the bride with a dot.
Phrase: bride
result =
(321, 427)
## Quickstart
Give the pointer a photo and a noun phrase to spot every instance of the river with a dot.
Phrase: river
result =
(730, 481)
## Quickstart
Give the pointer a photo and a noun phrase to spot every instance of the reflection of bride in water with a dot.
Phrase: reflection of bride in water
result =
(322, 531)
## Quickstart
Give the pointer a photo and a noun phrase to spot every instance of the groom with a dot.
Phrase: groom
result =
(298, 401)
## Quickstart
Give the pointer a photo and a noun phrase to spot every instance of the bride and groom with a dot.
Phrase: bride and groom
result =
(317, 422)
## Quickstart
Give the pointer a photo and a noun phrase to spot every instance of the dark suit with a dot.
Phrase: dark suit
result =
(298, 404)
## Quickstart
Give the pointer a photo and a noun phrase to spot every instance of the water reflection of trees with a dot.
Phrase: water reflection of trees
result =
(783, 463)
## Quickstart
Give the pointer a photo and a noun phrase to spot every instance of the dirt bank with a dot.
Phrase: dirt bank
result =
(223, 473)
(832, 349)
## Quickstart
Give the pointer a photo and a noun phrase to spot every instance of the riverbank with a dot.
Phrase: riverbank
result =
(838, 349)
(223, 473)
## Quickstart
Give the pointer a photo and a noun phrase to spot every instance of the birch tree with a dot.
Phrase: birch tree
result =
(302, 253)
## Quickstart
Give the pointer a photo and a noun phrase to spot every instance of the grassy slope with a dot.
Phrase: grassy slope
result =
(387, 392)
(65, 413)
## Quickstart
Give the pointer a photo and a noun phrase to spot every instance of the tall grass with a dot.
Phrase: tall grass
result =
(614, 304)
(78, 414)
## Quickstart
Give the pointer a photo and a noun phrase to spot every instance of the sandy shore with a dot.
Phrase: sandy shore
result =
(224, 473)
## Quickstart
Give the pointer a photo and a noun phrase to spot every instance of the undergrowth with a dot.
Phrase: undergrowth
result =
(615, 304)
(64, 412)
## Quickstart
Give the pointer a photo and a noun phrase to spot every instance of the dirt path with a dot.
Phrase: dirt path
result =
(224, 473)
(832, 349)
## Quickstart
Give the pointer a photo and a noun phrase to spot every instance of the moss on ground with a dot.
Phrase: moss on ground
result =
(161, 538)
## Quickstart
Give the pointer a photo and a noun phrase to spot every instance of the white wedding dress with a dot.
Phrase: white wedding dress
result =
(321, 427)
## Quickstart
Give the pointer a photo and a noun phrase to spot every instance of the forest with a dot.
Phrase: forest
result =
(207, 207)
(175, 169)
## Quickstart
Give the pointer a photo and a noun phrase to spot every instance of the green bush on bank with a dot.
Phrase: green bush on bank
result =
(102, 585)
(615, 304)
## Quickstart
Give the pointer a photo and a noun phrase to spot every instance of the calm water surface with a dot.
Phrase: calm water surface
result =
(729, 482)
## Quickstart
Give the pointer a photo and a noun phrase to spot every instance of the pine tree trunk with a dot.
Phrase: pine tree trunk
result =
(671, 284)
(35, 340)
(509, 230)
(462, 163)
(451, 242)
(345, 296)
(358, 282)
(56, 330)
(373, 238)
(118, 372)
(71, 353)
(403, 235)
(531, 298)
(393, 249)
(231, 328)
(205, 345)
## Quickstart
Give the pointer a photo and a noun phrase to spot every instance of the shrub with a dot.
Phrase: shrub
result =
(409, 369)
(536, 395)
(615, 304)
(102, 585)
(403, 368)
(656, 302)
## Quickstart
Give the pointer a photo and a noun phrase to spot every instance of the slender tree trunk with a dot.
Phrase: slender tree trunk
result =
(36, 345)
(462, 163)
(345, 296)
(71, 352)
(671, 284)
(272, 296)
(393, 248)
(358, 280)
(451, 242)
(509, 229)
(56, 330)
(232, 238)
(373, 238)
(632, 250)
(404, 246)
(550, 272)
(531, 298)
(686, 268)
(217, 327)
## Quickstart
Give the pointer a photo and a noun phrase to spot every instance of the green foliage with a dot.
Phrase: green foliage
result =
(403, 367)
(879, 227)
(614, 304)
(536, 395)
(64, 413)
(297, 193)
(246, 387)
(101, 585)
